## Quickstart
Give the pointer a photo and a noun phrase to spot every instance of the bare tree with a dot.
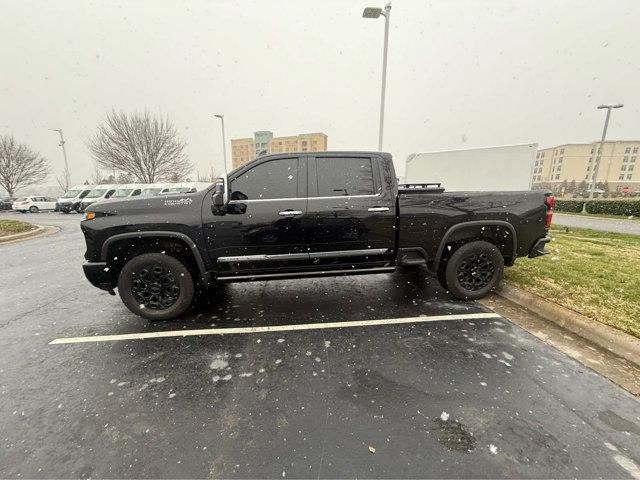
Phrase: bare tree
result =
(143, 146)
(19, 165)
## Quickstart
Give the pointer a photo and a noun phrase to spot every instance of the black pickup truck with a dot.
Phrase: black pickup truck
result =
(302, 215)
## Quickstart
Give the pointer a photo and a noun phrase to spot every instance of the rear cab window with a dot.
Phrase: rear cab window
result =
(344, 176)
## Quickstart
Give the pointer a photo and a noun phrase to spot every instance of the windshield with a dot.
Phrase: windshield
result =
(123, 192)
(179, 189)
(71, 194)
(96, 193)
(150, 192)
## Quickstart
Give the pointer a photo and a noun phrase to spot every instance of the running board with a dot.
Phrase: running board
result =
(326, 273)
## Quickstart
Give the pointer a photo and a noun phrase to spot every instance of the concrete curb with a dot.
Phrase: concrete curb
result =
(39, 231)
(615, 341)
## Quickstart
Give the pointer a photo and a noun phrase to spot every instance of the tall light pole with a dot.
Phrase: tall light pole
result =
(596, 166)
(224, 143)
(374, 12)
(67, 175)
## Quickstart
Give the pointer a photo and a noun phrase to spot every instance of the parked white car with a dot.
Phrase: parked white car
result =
(101, 192)
(70, 201)
(127, 190)
(34, 204)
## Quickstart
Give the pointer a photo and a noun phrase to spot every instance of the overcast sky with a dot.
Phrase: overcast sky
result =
(462, 73)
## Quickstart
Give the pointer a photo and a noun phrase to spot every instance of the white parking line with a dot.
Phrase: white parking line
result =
(274, 328)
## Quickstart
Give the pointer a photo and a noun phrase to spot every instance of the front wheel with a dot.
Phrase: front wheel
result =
(474, 270)
(34, 209)
(156, 286)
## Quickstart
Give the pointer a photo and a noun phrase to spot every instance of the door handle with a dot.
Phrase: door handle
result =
(378, 209)
(290, 213)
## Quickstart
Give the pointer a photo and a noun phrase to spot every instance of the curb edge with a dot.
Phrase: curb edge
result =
(609, 338)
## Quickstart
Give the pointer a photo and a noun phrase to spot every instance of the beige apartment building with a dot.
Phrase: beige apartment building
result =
(575, 162)
(264, 143)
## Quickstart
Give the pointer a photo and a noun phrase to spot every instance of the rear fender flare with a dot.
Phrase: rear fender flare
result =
(476, 223)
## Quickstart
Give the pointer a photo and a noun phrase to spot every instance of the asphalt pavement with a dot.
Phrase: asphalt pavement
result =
(456, 397)
(595, 223)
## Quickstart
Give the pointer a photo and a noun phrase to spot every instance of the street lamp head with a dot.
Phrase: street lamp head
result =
(618, 105)
(219, 116)
(371, 12)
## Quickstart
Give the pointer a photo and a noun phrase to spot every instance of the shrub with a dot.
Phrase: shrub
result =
(601, 207)
(571, 206)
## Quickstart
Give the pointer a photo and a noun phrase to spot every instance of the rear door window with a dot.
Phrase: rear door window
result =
(345, 176)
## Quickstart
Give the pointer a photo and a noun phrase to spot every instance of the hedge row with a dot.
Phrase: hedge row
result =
(601, 207)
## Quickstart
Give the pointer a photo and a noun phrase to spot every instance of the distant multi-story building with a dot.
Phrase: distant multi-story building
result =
(575, 162)
(264, 143)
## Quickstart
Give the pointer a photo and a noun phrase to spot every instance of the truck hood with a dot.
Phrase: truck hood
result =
(151, 205)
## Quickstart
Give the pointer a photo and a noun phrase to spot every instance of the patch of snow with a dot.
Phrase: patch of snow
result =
(444, 416)
(218, 364)
(493, 449)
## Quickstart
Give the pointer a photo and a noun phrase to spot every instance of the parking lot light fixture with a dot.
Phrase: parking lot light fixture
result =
(224, 142)
(600, 151)
(375, 12)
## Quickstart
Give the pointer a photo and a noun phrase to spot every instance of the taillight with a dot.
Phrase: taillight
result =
(549, 202)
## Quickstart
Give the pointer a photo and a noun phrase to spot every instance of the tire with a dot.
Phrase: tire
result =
(34, 209)
(156, 286)
(474, 270)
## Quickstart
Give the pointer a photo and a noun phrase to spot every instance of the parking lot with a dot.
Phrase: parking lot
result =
(373, 376)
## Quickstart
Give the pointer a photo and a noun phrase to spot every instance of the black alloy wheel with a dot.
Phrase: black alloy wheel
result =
(156, 286)
(473, 270)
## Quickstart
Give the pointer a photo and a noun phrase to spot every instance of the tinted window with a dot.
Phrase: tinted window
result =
(344, 176)
(274, 179)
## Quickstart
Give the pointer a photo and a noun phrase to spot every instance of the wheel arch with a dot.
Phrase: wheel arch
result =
(477, 230)
(155, 241)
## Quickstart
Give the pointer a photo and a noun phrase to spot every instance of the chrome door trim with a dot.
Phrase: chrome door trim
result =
(305, 256)
(378, 209)
(349, 253)
(263, 258)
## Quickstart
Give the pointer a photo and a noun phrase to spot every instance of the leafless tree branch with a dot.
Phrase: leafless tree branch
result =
(20, 166)
(142, 146)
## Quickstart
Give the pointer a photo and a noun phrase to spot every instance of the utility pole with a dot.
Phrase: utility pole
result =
(372, 12)
(599, 153)
(224, 142)
(67, 176)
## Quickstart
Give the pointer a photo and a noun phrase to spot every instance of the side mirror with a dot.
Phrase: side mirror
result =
(218, 206)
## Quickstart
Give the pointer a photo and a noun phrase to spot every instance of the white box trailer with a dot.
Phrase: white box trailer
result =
(508, 167)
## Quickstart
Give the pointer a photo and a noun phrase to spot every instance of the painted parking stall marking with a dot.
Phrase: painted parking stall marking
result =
(274, 328)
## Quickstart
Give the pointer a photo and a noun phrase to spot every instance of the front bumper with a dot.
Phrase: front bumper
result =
(65, 206)
(99, 275)
(538, 249)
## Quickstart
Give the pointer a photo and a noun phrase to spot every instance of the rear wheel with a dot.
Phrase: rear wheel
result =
(33, 209)
(156, 286)
(473, 270)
